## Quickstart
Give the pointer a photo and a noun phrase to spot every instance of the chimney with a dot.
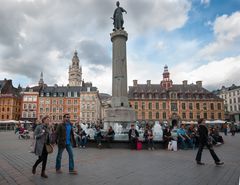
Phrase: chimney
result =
(199, 83)
(135, 82)
(148, 82)
(184, 82)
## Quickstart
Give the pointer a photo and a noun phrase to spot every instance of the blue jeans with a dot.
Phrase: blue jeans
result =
(70, 155)
(83, 141)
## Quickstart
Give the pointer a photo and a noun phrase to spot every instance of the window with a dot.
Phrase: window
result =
(183, 115)
(219, 106)
(150, 105)
(69, 94)
(219, 115)
(204, 106)
(197, 106)
(157, 115)
(136, 105)
(150, 96)
(150, 115)
(212, 115)
(75, 102)
(69, 102)
(212, 106)
(164, 115)
(191, 115)
(34, 114)
(143, 105)
(143, 115)
(183, 106)
(190, 106)
(157, 105)
(164, 105)
(198, 115)
(174, 107)
(75, 94)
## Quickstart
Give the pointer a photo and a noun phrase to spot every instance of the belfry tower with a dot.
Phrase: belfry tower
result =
(75, 72)
(166, 83)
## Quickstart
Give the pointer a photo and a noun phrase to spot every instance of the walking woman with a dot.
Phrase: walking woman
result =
(42, 135)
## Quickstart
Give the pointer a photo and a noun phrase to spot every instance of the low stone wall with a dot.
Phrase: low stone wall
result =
(121, 144)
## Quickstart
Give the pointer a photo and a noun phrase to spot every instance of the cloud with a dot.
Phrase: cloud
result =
(39, 35)
(205, 2)
(147, 15)
(213, 74)
(94, 53)
(227, 37)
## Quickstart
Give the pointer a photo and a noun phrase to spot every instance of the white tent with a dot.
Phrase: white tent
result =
(215, 122)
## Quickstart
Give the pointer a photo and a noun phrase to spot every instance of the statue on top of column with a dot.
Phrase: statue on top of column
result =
(118, 17)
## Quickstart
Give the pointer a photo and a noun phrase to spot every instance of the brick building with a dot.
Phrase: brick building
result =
(174, 103)
(10, 101)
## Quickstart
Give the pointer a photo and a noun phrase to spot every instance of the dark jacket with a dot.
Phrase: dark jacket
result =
(61, 136)
(203, 134)
(136, 134)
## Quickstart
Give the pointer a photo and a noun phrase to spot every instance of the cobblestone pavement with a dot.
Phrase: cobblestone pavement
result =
(121, 166)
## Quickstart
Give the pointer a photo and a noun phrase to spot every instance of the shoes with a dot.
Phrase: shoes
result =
(200, 163)
(59, 171)
(219, 163)
(44, 175)
(33, 170)
(73, 172)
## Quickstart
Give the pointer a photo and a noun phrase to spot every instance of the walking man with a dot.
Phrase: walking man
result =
(203, 140)
(65, 139)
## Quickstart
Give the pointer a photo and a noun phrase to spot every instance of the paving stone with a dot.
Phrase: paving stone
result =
(120, 166)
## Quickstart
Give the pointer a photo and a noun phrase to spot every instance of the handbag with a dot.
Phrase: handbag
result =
(49, 148)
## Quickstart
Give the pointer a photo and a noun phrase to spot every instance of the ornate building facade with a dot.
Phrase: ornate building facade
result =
(30, 101)
(10, 101)
(174, 103)
(231, 96)
(90, 104)
(75, 71)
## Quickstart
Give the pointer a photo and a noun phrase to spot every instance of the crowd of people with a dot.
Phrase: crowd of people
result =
(67, 135)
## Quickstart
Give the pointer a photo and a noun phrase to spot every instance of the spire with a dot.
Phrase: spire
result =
(75, 53)
(75, 71)
(41, 82)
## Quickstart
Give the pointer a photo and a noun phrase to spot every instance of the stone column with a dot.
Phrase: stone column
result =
(119, 69)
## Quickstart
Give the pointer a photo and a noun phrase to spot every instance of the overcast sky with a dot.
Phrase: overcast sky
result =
(198, 40)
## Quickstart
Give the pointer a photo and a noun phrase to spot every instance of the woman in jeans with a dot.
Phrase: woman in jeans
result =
(42, 135)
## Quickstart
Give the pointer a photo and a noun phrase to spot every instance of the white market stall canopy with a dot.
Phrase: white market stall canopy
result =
(215, 122)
